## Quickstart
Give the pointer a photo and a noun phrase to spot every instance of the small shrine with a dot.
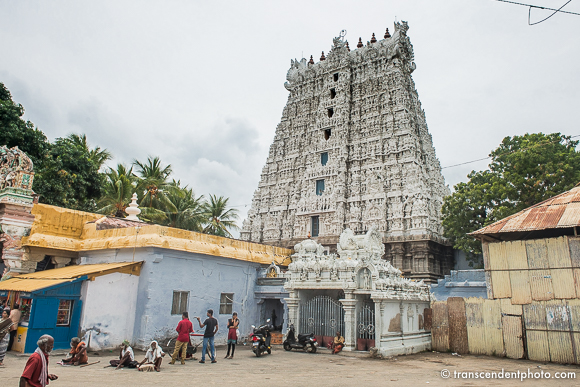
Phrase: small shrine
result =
(358, 294)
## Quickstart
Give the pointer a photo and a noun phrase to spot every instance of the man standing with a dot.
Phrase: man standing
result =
(211, 328)
(184, 328)
(15, 316)
(36, 371)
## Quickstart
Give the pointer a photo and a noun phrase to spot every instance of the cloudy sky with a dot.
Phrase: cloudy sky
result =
(200, 83)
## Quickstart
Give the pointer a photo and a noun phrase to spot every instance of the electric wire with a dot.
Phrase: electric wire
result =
(540, 7)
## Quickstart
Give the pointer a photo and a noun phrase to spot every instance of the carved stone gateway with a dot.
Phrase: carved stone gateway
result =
(357, 278)
(353, 151)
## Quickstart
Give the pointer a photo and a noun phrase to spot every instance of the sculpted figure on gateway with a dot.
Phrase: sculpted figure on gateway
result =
(353, 151)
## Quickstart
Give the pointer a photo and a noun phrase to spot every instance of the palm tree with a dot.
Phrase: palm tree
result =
(118, 189)
(190, 210)
(219, 218)
(153, 187)
(96, 155)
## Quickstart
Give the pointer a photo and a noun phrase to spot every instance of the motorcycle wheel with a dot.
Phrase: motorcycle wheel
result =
(287, 347)
(258, 353)
(311, 348)
(269, 351)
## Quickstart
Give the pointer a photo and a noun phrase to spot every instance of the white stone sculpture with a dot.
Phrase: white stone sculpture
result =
(133, 209)
(360, 110)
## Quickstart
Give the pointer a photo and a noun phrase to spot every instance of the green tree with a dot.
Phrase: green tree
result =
(524, 170)
(69, 177)
(189, 214)
(219, 218)
(14, 131)
(153, 188)
(97, 155)
(118, 188)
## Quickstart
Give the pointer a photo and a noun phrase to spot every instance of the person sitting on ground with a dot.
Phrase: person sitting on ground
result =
(153, 358)
(78, 353)
(337, 343)
(36, 370)
(126, 356)
(5, 324)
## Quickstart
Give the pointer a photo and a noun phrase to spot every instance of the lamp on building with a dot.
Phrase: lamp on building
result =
(133, 209)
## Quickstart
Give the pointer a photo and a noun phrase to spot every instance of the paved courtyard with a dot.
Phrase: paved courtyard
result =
(297, 369)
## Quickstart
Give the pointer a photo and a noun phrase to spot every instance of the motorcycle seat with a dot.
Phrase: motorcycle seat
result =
(305, 336)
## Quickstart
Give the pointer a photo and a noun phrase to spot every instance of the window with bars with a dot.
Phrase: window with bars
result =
(315, 226)
(180, 300)
(64, 313)
(226, 303)
(319, 187)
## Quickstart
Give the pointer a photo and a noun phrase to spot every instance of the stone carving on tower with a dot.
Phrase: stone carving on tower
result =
(352, 150)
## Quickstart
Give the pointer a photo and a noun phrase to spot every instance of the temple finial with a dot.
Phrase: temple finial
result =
(347, 47)
(373, 39)
(311, 61)
(360, 43)
(322, 57)
(387, 35)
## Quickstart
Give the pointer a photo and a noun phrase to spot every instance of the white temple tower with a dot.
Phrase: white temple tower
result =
(353, 151)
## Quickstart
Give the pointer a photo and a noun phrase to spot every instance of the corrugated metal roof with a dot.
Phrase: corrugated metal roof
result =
(43, 279)
(29, 285)
(561, 211)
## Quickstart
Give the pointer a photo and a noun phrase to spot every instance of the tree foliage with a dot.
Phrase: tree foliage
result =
(14, 131)
(69, 177)
(524, 170)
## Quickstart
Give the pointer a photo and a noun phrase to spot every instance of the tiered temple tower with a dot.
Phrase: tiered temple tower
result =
(353, 151)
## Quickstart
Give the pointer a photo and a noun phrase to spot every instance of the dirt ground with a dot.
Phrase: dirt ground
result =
(297, 369)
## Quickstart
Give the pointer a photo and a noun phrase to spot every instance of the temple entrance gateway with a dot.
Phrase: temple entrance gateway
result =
(322, 316)
(358, 294)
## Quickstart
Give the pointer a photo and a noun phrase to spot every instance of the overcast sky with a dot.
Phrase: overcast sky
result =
(201, 83)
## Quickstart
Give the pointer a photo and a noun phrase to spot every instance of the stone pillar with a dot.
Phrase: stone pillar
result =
(349, 304)
(379, 314)
(15, 222)
(293, 317)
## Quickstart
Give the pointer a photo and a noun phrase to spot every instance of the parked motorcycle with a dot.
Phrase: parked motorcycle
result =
(306, 342)
(261, 339)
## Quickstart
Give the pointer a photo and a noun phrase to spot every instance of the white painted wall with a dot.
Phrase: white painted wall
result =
(109, 304)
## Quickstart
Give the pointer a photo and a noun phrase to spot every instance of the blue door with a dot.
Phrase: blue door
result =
(42, 321)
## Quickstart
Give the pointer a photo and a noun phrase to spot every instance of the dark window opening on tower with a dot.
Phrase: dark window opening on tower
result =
(324, 158)
(327, 134)
(319, 187)
(332, 93)
(314, 225)
(330, 112)
(336, 77)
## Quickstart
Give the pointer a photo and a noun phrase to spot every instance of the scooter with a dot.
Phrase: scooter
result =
(305, 342)
(261, 338)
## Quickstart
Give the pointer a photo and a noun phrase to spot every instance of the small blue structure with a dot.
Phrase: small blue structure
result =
(460, 283)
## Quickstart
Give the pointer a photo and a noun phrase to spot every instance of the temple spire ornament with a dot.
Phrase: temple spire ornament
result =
(373, 39)
(360, 43)
(322, 57)
(311, 61)
(133, 209)
(387, 35)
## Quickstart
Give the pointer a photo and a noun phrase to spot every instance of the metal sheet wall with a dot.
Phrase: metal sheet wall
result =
(440, 327)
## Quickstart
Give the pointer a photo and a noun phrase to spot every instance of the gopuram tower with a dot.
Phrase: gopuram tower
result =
(353, 151)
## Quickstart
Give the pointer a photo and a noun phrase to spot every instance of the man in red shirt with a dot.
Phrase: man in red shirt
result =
(36, 371)
(184, 328)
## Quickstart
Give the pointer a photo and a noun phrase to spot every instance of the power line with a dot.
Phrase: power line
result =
(508, 153)
(540, 7)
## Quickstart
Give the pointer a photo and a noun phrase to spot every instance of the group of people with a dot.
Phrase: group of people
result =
(185, 329)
